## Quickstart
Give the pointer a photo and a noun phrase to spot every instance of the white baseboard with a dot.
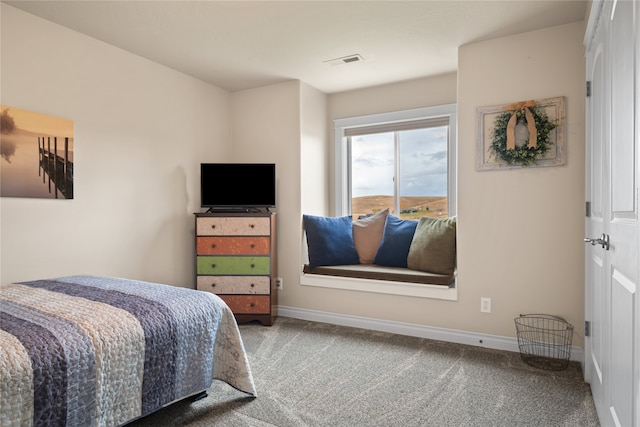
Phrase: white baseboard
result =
(414, 330)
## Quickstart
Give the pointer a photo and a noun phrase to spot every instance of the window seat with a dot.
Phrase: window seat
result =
(382, 254)
(376, 272)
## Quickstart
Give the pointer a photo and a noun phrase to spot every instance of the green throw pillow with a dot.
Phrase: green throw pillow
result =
(433, 248)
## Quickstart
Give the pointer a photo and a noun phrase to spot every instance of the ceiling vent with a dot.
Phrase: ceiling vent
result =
(345, 60)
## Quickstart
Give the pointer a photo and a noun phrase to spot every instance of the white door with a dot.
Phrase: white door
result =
(612, 263)
(596, 133)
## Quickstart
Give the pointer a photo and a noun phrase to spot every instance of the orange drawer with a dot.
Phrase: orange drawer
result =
(233, 245)
(252, 304)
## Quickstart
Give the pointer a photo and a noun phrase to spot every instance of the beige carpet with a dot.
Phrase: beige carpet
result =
(316, 374)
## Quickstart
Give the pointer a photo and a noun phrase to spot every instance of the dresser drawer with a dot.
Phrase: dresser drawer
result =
(258, 245)
(233, 226)
(248, 304)
(247, 265)
(236, 260)
(235, 284)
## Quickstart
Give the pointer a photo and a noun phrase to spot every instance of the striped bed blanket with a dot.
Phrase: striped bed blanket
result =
(99, 351)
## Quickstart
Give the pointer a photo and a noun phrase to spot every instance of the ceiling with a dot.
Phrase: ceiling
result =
(239, 45)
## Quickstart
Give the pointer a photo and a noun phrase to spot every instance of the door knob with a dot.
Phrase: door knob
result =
(602, 241)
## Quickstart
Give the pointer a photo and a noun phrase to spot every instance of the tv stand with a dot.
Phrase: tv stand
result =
(236, 259)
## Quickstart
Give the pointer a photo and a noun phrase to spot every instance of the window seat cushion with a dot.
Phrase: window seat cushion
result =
(376, 272)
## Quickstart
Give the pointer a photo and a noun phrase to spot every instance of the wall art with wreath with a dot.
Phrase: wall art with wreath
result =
(521, 134)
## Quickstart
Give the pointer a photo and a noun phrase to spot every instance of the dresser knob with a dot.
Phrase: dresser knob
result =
(252, 246)
(213, 246)
(251, 226)
(213, 226)
(213, 266)
(253, 285)
(253, 304)
(253, 265)
(213, 285)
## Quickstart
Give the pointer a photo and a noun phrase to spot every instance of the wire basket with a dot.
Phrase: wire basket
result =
(544, 340)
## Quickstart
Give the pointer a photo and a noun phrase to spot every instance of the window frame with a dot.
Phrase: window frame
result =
(342, 183)
(342, 192)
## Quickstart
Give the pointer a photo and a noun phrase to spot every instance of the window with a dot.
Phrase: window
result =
(404, 161)
(405, 156)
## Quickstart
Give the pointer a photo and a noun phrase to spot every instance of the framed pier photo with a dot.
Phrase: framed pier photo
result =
(36, 155)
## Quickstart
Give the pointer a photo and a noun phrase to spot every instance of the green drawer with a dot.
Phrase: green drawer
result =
(234, 265)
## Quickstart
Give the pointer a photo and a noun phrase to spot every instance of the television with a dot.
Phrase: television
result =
(237, 186)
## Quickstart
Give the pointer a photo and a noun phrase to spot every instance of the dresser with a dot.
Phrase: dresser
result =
(236, 260)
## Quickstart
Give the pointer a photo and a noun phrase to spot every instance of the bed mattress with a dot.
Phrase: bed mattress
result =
(87, 350)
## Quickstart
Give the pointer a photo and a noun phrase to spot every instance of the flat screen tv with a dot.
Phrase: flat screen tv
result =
(238, 186)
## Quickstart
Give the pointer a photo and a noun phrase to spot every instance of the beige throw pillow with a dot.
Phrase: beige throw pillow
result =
(433, 248)
(367, 234)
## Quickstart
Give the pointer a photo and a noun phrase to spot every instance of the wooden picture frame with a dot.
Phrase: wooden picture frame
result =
(486, 158)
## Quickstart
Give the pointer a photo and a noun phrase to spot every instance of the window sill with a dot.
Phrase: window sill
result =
(380, 286)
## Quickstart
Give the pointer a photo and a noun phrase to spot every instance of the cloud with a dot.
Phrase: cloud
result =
(440, 155)
(423, 163)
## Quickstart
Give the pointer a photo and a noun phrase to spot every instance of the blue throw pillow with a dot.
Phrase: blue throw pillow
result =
(330, 240)
(396, 241)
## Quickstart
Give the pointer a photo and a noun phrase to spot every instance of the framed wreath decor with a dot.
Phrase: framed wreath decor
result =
(521, 134)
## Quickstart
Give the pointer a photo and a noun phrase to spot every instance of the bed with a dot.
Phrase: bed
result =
(100, 351)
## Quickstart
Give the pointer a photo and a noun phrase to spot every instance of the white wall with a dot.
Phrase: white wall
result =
(520, 231)
(266, 128)
(140, 131)
(404, 95)
(314, 157)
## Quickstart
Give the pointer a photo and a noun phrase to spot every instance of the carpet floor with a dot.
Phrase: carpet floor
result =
(318, 374)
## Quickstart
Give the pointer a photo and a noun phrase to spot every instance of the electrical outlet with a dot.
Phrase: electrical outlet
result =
(485, 305)
(278, 282)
